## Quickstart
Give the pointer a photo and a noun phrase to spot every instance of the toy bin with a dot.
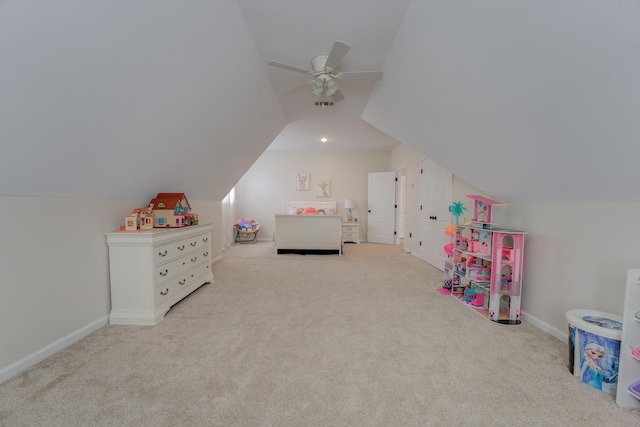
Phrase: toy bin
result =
(594, 348)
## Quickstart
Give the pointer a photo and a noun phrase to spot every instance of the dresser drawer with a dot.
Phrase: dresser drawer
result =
(172, 268)
(169, 251)
(349, 236)
(169, 289)
(196, 242)
(349, 229)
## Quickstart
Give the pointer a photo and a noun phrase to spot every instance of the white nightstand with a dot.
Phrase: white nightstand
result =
(351, 232)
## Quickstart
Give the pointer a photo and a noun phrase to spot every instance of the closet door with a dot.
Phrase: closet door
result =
(436, 195)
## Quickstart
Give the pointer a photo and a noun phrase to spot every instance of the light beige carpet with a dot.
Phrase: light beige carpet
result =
(290, 340)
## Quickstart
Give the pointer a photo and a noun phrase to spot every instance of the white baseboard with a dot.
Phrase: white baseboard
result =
(554, 332)
(216, 259)
(37, 357)
(415, 254)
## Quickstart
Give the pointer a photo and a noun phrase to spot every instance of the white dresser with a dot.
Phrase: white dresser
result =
(153, 270)
(351, 232)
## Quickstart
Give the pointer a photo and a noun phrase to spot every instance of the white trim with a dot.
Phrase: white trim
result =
(216, 259)
(554, 332)
(37, 357)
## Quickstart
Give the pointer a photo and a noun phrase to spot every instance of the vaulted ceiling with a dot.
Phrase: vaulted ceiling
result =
(529, 101)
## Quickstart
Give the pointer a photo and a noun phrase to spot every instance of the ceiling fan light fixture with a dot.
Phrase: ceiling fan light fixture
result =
(331, 86)
(318, 86)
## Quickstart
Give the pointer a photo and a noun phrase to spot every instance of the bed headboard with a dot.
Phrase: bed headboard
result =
(323, 208)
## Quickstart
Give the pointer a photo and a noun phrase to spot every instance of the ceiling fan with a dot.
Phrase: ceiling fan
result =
(323, 70)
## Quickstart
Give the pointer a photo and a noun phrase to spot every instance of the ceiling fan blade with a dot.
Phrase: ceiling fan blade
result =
(338, 96)
(288, 67)
(338, 51)
(362, 75)
(309, 83)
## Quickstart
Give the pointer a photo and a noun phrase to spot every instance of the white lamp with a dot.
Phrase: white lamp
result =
(349, 204)
(318, 86)
(331, 87)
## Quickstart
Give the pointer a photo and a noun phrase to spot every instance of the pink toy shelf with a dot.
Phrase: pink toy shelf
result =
(484, 269)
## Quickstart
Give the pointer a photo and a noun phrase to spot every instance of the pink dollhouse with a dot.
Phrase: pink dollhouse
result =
(485, 268)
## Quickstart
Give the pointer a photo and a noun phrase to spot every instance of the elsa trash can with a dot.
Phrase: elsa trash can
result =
(594, 347)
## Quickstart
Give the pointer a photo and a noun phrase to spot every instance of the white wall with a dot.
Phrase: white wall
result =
(576, 256)
(54, 271)
(407, 157)
(271, 182)
(525, 87)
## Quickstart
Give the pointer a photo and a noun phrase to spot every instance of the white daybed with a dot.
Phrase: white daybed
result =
(309, 234)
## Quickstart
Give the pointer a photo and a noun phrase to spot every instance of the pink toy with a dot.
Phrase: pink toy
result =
(310, 211)
(462, 243)
(507, 253)
(478, 301)
(448, 249)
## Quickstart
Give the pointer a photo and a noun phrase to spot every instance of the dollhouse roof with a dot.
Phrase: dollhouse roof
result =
(485, 200)
(170, 200)
(141, 211)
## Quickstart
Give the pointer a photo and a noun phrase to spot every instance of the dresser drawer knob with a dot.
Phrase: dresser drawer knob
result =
(182, 282)
(166, 291)
(206, 239)
(205, 254)
(166, 271)
(181, 248)
(194, 259)
(193, 243)
(163, 253)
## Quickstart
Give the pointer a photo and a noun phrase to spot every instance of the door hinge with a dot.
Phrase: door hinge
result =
(396, 179)
(420, 171)
(420, 207)
(395, 206)
(395, 233)
(420, 243)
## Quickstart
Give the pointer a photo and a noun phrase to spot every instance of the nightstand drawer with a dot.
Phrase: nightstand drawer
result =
(351, 232)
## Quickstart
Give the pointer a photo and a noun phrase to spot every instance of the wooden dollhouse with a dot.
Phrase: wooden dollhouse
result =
(485, 267)
(140, 219)
(172, 210)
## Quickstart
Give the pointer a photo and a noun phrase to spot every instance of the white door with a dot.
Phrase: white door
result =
(401, 193)
(381, 207)
(436, 195)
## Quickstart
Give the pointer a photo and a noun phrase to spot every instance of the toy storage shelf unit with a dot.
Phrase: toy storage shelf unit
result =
(484, 268)
(628, 393)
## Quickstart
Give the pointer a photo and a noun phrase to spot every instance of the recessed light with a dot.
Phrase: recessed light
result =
(323, 139)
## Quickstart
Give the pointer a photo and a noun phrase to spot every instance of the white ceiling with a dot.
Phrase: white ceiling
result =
(294, 32)
(532, 101)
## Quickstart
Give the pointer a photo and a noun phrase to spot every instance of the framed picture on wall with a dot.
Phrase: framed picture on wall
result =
(323, 188)
(302, 181)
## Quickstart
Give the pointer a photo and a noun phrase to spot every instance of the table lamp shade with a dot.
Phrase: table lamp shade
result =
(348, 205)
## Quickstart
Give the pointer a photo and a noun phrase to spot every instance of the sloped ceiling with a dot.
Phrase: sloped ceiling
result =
(126, 99)
(294, 32)
(527, 100)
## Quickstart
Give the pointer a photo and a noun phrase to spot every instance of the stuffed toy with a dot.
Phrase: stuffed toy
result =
(246, 225)
(310, 211)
